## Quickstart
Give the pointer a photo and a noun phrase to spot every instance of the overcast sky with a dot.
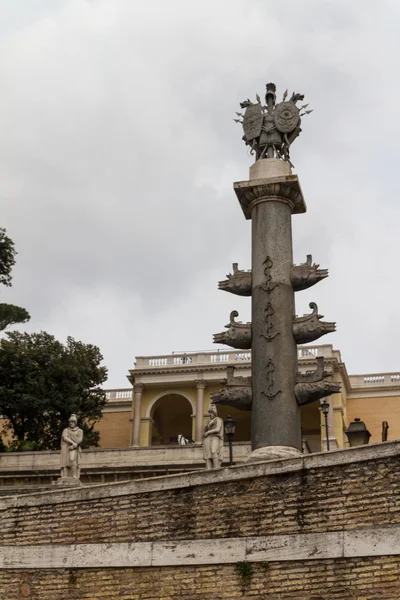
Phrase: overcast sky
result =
(118, 153)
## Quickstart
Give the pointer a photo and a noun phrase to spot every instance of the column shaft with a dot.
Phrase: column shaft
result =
(275, 413)
(200, 410)
(138, 389)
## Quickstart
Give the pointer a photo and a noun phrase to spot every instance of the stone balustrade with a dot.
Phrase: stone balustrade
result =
(305, 353)
(375, 380)
(119, 394)
(225, 356)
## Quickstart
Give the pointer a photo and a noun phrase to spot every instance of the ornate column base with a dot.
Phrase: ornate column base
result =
(273, 453)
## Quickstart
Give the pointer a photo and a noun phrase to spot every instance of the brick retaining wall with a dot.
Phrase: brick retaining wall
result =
(353, 491)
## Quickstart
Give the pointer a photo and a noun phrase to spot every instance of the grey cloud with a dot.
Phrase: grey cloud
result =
(118, 153)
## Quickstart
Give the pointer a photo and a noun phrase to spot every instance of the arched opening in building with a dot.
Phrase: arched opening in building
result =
(171, 416)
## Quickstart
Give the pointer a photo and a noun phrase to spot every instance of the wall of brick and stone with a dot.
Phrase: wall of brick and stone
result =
(342, 579)
(319, 527)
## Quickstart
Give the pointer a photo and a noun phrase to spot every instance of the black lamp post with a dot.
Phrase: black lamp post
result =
(229, 426)
(357, 433)
(325, 412)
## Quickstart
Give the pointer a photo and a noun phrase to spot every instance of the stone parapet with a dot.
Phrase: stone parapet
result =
(34, 470)
(311, 463)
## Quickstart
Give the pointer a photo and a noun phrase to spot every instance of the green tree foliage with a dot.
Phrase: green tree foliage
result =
(7, 257)
(43, 381)
(9, 314)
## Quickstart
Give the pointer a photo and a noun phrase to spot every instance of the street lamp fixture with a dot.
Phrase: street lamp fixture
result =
(229, 426)
(325, 412)
(357, 433)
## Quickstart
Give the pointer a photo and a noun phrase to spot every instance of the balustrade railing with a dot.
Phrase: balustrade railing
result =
(375, 380)
(143, 363)
(207, 357)
(119, 394)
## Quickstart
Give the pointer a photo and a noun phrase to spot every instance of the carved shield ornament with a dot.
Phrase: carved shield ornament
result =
(286, 116)
(252, 122)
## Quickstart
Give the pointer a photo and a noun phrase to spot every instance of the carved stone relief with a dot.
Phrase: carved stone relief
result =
(238, 335)
(307, 275)
(309, 328)
(239, 282)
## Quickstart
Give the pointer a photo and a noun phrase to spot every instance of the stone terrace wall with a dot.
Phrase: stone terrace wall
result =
(317, 528)
(360, 579)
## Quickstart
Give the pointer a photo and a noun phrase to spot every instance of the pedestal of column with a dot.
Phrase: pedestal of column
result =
(270, 202)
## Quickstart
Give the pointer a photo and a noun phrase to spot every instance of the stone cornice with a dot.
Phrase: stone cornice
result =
(165, 370)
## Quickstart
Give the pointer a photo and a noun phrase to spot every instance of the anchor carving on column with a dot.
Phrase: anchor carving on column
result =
(268, 287)
(271, 382)
(269, 312)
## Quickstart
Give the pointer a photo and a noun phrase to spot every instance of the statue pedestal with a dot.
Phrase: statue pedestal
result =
(68, 482)
(270, 167)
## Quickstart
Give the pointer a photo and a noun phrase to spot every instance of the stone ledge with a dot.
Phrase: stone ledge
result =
(197, 478)
(371, 541)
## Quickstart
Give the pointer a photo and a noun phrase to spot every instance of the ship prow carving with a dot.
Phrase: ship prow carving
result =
(303, 276)
(311, 392)
(237, 392)
(238, 282)
(309, 328)
(238, 335)
(310, 387)
(313, 386)
(307, 274)
(314, 376)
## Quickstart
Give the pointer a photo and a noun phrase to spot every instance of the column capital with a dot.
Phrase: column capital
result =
(138, 387)
(278, 189)
(201, 384)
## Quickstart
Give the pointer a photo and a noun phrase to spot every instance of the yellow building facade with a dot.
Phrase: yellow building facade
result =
(170, 395)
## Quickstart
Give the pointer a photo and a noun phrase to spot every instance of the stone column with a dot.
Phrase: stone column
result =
(138, 390)
(270, 201)
(200, 410)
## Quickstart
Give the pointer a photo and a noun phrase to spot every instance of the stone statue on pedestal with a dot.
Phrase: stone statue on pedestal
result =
(213, 439)
(71, 441)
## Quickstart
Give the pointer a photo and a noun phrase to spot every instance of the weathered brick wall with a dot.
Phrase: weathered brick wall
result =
(350, 579)
(335, 495)
(316, 500)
